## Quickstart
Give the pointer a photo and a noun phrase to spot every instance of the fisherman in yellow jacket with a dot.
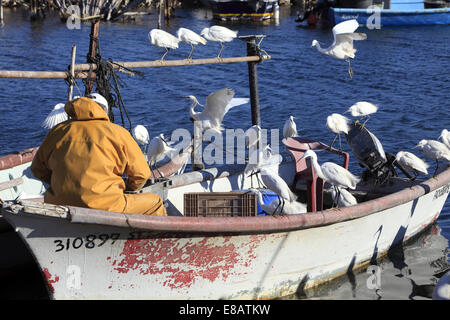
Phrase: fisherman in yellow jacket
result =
(83, 160)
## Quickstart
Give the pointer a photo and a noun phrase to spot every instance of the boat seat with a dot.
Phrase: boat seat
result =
(304, 170)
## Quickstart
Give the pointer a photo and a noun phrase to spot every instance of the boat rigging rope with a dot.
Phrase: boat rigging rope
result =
(108, 82)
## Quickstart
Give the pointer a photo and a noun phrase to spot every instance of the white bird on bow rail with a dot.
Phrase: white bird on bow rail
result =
(163, 39)
(445, 137)
(362, 109)
(332, 173)
(342, 197)
(262, 156)
(434, 150)
(219, 34)
(411, 162)
(342, 46)
(217, 105)
(290, 128)
(141, 135)
(191, 38)
(338, 124)
(56, 116)
(157, 149)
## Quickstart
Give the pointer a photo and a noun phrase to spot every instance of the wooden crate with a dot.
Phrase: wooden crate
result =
(220, 204)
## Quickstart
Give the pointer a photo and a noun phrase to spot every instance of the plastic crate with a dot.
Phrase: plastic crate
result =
(220, 204)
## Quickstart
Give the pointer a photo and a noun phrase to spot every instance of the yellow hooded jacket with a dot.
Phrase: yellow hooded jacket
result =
(83, 160)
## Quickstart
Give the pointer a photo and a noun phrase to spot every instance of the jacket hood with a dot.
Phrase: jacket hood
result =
(85, 109)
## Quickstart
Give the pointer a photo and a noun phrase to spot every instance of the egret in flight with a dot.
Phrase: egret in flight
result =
(56, 116)
(343, 198)
(217, 105)
(190, 37)
(157, 149)
(163, 39)
(342, 46)
(219, 34)
(290, 128)
(445, 137)
(338, 124)
(140, 134)
(411, 162)
(434, 150)
(362, 109)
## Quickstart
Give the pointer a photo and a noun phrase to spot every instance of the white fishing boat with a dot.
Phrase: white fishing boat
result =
(91, 254)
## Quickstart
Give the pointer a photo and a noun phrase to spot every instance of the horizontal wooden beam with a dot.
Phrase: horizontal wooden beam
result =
(81, 70)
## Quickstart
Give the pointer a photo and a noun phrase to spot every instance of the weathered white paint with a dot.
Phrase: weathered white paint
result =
(201, 266)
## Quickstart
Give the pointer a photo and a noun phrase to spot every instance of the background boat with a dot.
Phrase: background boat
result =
(253, 10)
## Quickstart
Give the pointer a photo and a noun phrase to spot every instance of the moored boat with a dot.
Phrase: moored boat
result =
(91, 254)
(389, 13)
(252, 10)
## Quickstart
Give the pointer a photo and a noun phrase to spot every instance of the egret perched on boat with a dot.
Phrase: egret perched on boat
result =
(331, 172)
(217, 105)
(163, 39)
(290, 128)
(338, 124)
(411, 162)
(434, 150)
(56, 116)
(445, 137)
(342, 46)
(343, 198)
(219, 34)
(274, 182)
(158, 147)
(140, 134)
(293, 207)
(190, 37)
(362, 109)
(252, 137)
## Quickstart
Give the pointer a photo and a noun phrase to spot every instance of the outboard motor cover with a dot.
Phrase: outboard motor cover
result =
(370, 153)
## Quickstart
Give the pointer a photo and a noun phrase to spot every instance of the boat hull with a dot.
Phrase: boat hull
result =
(242, 10)
(386, 17)
(99, 260)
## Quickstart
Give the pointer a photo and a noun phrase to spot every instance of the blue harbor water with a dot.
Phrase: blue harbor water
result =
(403, 70)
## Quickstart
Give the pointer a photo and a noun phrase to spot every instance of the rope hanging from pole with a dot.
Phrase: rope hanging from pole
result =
(108, 82)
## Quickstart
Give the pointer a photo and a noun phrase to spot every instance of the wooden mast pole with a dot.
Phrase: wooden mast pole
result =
(92, 53)
(72, 72)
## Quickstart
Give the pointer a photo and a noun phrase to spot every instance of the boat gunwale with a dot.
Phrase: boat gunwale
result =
(260, 224)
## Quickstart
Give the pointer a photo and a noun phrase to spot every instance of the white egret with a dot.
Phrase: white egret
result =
(445, 137)
(261, 157)
(252, 137)
(290, 128)
(217, 105)
(100, 100)
(293, 207)
(411, 162)
(219, 34)
(274, 182)
(338, 124)
(343, 198)
(158, 147)
(140, 134)
(362, 109)
(190, 37)
(342, 46)
(56, 116)
(434, 150)
(163, 39)
(331, 172)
